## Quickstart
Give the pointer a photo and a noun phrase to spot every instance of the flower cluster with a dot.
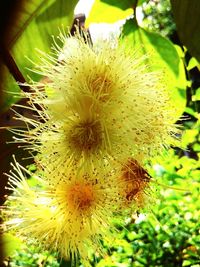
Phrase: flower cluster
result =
(100, 113)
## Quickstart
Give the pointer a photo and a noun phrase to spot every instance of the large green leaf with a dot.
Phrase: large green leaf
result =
(186, 15)
(38, 21)
(125, 4)
(109, 11)
(162, 56)
(39, 32)
(26, 13)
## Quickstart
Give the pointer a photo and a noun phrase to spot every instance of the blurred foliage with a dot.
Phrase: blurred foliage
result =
(31, 256)
(158, 17)
(186, 15)
(168, 235)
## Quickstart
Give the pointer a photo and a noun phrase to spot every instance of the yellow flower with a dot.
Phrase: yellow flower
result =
(101, 104)
(69, 217)
(79, 144)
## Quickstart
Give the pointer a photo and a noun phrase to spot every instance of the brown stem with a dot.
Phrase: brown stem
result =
(14, 70)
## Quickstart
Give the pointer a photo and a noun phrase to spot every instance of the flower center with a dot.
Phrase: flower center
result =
(81, 196)
(86, 136)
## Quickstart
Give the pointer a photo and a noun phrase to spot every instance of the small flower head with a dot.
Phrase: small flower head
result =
(136, 182)
(69, 217)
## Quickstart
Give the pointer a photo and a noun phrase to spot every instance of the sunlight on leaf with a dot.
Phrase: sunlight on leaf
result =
(38, 21)
(163, 56)
(193, 63)
(102, 11)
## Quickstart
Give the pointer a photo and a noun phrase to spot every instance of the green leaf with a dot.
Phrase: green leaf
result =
(196, 97)
(8, 85)
(163, 56)
(140, 2)
(125, 4)
(26, 13)
(9, 244)
(193, 63)
(38, 21)
(189, 136)
(109, 11)
(192, 112)
(186, 15)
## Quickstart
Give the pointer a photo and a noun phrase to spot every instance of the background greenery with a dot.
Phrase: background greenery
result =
(167, 234)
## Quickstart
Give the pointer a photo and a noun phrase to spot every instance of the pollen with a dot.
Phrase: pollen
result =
(80, 196)
(86, 136)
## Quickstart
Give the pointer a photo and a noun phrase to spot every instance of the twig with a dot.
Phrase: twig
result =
(13, 68)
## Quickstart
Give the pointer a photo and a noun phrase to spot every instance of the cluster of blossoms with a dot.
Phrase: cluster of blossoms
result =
(100, 113)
